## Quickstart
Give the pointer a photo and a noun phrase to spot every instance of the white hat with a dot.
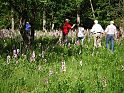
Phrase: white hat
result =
(96, 21)
(66, 19)
(111, 22)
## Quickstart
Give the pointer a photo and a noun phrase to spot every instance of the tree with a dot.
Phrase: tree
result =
(54, 12)
(26, 10)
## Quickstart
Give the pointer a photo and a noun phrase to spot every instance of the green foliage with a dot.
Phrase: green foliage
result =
(107, 10)
(4, 18)
(57, 10)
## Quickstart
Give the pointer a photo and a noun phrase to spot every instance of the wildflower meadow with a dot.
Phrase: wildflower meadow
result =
(54, 68)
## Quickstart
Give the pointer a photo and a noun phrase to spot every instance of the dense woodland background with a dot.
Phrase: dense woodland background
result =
(55, 11)
(47, 15)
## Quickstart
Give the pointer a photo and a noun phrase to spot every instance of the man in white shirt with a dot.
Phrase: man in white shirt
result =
(97, 30)
(111, 32)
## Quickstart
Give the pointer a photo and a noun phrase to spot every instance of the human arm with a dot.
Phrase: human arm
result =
(73, 26)
(93, 29)
(106, 30)
(70, 27)
(115, 32)
(102, 30)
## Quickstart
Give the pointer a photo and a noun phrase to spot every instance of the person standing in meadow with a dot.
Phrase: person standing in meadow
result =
(27, 28)
(65, 31)
(97, 31)
(110, 34)
(80, 35)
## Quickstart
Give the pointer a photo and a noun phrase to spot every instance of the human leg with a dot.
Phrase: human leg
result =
(99, 41)
(107, 41)
(64, 40)
(78, 41)
(95, 38)
(82, 40)
(112, 43)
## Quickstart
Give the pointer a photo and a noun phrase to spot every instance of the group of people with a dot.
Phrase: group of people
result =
(97, 31)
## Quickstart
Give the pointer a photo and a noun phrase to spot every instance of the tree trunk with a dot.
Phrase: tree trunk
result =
(44, 21)
(92, 9)
(24, 36)
(12, 24)
(52, 26)
(22, 29)
(52, 21)
(32, 30)
(12, 20)
(78, 19)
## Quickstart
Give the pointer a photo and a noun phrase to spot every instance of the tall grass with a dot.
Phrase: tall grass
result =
(88, 70)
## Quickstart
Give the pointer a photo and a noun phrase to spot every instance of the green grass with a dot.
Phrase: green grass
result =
(101, 71)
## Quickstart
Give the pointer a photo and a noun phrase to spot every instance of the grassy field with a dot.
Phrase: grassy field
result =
(86, 70)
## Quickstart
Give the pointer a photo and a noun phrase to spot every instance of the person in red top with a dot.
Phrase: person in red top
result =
(65, 31)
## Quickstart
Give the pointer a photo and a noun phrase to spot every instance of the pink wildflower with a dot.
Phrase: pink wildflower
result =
(43, 54)
(17, 61)
(104, 82)
(63, 67)
(39, 68)
(8, 59)
(81, 63)
(18, 51)
(14, 54)
(69, 45)
(50, 72)
(32, 58)
(122, 68)
(80, 51)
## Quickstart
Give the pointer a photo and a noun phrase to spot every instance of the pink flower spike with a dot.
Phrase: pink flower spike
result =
(63, 67)
(81, 63)
(32, 58)
(18, 51)
(8, 59)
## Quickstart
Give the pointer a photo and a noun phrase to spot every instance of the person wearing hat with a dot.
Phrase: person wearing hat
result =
(97, 30)
(110, 33)
(65, 31)
(27, 27)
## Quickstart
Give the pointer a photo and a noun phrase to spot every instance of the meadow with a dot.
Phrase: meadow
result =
(61, 69)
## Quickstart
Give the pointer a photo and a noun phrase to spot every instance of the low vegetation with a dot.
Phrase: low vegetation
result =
(61, 69)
